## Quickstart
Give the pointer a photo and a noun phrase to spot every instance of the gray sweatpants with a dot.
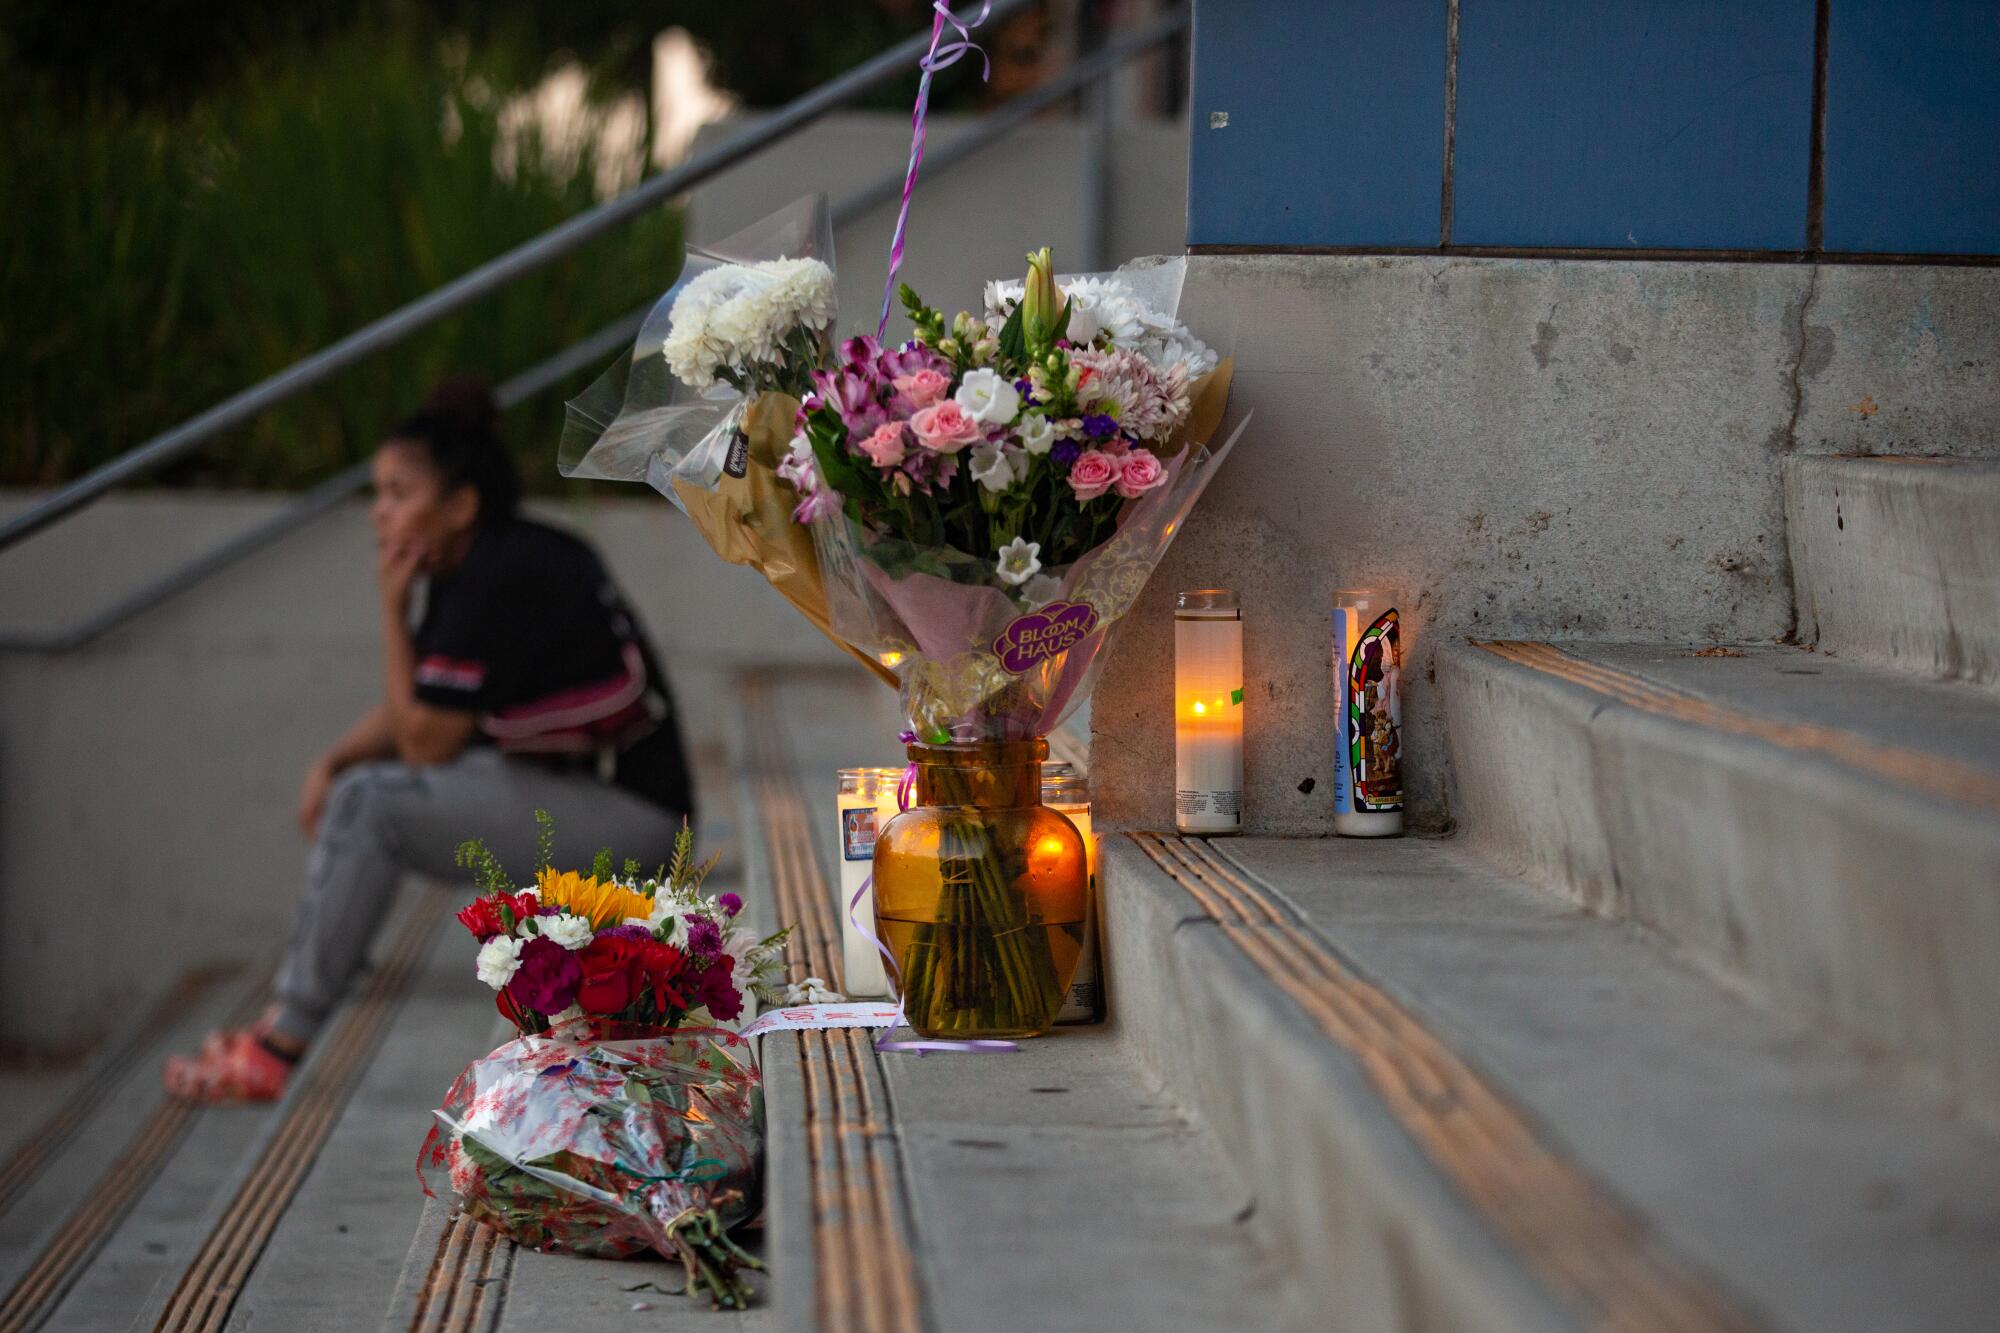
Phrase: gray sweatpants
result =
(385, 820)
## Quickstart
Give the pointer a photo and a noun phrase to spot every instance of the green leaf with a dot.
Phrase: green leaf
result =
(1013, 341)
(545, 840)
(1062, 323)
(828, 436)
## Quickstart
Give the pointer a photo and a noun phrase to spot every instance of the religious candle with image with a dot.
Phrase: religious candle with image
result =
(1368, 689)
(866, 802)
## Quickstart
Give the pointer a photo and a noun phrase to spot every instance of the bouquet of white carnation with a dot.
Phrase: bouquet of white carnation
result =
(754, 327)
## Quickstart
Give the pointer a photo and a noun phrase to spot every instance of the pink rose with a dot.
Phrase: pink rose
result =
(885, 447)
(1094, 473)
(923, 387)
(946, 427)
(1138, 472)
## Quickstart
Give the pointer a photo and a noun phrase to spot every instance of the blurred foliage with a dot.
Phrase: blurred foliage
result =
(200, 192)
(154, 260)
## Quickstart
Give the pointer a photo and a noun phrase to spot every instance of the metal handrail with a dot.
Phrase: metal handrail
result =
(325, 496)
(489, 277)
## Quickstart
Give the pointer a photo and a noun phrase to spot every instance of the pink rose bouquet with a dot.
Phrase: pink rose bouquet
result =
(1028, 462)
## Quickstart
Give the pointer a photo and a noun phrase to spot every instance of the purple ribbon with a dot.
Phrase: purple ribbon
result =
(924, 1045)
(939, 57)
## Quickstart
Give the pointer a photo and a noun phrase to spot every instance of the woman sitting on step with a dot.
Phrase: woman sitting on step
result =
(521, 684)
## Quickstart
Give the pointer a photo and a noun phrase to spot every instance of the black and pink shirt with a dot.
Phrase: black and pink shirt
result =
(531, 634)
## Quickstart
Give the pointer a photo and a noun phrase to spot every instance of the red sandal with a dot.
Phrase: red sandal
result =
(232, 1068)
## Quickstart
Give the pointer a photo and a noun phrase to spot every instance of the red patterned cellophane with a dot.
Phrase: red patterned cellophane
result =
(599, 1138)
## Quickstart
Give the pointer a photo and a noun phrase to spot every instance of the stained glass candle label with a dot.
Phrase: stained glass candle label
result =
(1368, 687)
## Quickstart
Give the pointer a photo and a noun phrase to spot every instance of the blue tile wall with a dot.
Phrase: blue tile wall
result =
(1335, 132)
(1913, 126)
(1662, 124)
(1597, 124)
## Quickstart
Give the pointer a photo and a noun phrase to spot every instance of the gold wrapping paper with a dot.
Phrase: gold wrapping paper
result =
(747, 520)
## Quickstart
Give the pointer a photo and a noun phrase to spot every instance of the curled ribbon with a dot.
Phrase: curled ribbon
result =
(941, 55)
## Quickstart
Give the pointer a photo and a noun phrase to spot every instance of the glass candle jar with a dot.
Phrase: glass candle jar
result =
(866, 802)
(982, 893)
(1067, 792)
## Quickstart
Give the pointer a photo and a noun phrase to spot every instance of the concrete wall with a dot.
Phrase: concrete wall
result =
(968, 223)
(1524, 448)
(147, 783)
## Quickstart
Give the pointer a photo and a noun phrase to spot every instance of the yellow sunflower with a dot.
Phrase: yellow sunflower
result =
(603, 903)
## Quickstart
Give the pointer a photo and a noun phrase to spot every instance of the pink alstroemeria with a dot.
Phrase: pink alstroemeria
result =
(854, 395)
(816, 506)
(908, 359)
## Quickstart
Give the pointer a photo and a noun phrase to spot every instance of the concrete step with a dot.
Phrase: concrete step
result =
(193, 1233)
(1058, 1187)
(342, 1238)
(1897, 561)
(79, 1166)
(1826, 833)
(1458, 1103)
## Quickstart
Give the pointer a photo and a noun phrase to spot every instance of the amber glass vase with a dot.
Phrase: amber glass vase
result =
(981, 893)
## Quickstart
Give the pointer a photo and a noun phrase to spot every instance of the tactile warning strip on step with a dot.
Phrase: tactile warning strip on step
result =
(1927, 774)
(463, 1293)
(28, 1161)
(1584, 1246)
(35, 1296)
(865, 1275)
(207, 1291)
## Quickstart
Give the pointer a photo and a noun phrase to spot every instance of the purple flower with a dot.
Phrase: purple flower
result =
(1098, 426)
(547, 979)
(730, 903)
(908, 359)
(1065, 452)
(860, 352)
(853, 394)
(704, 936)
(716, 989)
(627, 932)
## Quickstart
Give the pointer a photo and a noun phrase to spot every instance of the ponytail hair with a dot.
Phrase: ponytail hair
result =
(456, 427)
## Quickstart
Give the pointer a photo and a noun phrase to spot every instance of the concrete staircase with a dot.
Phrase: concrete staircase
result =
(1692, 1025)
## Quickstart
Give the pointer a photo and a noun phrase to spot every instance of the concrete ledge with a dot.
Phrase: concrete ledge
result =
(1841, 886)
(1811, 1188)
(1897, 560)
(1364, 1221)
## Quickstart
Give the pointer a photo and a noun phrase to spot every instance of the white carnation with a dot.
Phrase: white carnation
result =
(569, 930)
(499, 959)
(738, 315)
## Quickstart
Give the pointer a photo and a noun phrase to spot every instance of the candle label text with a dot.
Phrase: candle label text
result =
(1043, 635)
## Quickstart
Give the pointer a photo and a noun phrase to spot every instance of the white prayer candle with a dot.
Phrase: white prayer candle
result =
(1065, 791)
(1368, 716)
(1208, 712)
(866, 802)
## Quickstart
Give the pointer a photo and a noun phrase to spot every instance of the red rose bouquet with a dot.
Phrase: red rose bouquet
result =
(623, 1118)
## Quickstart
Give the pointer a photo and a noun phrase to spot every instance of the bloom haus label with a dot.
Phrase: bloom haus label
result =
(1041, 635)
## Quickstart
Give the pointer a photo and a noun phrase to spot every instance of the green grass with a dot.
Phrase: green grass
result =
(153, 264)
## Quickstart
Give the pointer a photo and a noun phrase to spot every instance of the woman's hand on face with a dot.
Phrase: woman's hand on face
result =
(396, 568)
(312, 797)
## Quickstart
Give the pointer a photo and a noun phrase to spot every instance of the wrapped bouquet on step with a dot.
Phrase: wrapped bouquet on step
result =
(624, 1119)
(969, 511)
